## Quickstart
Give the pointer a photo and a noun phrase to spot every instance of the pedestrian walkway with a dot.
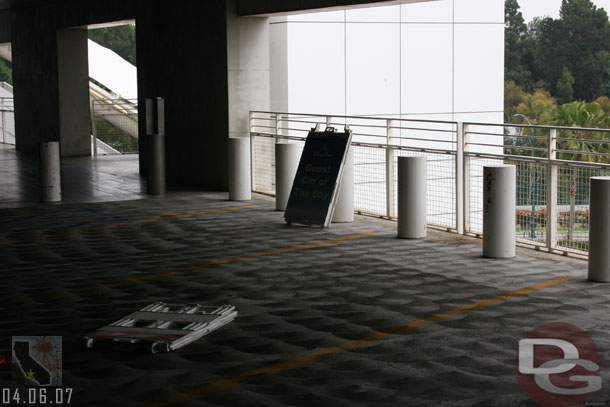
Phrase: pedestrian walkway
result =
(83, 179)
(348, 315)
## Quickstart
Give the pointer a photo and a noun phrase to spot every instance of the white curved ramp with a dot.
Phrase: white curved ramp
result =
(112, 71)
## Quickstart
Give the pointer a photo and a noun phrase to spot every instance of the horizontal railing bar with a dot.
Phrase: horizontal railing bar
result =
(425, 139)
(508, 146)
(566, 163)
(292, 129)
(269, 135)
(369, 135)
(264, 127)
(300, 121)
(584, 153)
(375, 126)
(584, 140)
(538, 126)
(338, 116)
(422, 129)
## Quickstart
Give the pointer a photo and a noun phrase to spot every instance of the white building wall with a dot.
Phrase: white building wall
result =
(441, 59)
(433, 60)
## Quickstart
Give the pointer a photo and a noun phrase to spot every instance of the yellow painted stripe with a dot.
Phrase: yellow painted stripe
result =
(138, 279)
(114, 225)
(355, 344)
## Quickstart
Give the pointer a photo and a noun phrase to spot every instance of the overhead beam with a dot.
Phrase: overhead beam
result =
(275, 7)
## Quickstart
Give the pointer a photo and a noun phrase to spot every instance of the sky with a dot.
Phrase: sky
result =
(542, 8)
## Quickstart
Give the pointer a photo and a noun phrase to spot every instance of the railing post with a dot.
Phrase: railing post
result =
(389, 170)
(251, 152)
(278, 119)
(466, 177)
(3, 121)
(551, 192)
(329, 121)
(93, 128)
(459, 179)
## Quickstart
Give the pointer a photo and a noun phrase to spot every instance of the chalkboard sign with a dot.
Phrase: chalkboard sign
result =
(316, 183)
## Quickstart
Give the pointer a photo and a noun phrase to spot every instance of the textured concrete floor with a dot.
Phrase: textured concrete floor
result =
(327, 317)
(84, 179)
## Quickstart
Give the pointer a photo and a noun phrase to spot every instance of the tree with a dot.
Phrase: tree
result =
(6, 71)
(563, 89)
(580, 145)
(536, 106)
(517, 47)
(577, 41)
(513, 97)
(120, 39)
(604, 103)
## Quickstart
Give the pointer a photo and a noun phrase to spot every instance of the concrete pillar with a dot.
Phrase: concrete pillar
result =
(50, 178)
(192, 78)
(499, 200)
(286, 163)
(344, 211)
(73, 80)
(240, 179)
(155, 141)
(248, 69)
(412, 180)
(599, 229)
(34, 53)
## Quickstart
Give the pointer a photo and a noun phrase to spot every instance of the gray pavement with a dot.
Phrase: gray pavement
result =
(348, 315)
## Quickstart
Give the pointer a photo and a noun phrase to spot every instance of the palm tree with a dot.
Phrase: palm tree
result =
(581, 144)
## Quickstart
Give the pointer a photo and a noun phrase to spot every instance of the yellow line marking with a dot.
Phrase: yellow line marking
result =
(307, 358)
(187, 270)
(114, 225)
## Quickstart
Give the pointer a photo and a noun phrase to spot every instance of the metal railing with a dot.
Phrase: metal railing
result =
(7, 120)
(553, 169)
(114, 124)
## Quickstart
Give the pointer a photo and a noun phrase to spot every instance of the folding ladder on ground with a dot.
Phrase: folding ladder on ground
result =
(166, 327)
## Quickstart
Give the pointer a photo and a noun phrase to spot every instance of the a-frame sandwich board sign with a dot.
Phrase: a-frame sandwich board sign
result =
(315, 189)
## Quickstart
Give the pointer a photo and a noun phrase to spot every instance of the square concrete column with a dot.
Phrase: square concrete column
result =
(73, 78)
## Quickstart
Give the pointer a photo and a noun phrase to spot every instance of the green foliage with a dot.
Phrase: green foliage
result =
(120, 39)
(513, 97)
(6, 71)
(518, 47)
(536, 106)
(550, 51)
(604, 103)
(581, 114)
(564, 90)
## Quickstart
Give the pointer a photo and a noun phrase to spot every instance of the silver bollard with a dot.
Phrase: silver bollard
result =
(499, 206)
(50, 176)
(599, 229)
(412, 180)
(286, 164)
(155, 133)
(344, 211)
(240, 180)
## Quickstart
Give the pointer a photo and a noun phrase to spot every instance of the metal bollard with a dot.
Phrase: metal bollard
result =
(155, 133)
(50, 176)
(286, 164)
(344, 211)
(240, 180)
(412, 197)
(499, 206)
(599, 229)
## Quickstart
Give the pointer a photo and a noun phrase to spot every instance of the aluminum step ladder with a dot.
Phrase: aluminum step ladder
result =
(166, 327)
